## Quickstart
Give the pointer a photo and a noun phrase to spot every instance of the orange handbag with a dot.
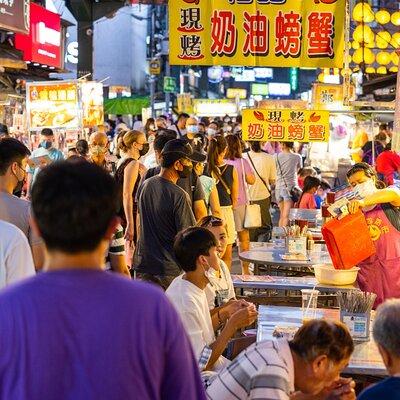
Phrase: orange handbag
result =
(348, 240)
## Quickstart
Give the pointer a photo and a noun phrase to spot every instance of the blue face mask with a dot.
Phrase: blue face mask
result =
(46, 144)
(192, 129)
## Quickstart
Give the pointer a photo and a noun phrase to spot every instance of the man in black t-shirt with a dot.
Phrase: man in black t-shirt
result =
(164, 210)
(191, 185)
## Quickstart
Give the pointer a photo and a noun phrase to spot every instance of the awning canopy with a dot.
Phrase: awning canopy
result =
(126, 105)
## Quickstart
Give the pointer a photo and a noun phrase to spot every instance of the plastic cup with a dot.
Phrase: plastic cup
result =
(309, 304)
(330, 197)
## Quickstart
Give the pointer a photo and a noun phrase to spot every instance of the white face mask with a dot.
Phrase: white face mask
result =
(209, 273)
(365, 189)
(211, 132)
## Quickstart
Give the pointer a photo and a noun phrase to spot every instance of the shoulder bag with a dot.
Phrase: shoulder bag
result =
(252, 218)
(295, 192)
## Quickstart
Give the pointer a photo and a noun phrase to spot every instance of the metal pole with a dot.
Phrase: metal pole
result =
(396, 124)
(167, 66)
(152, 48)
(347, 73)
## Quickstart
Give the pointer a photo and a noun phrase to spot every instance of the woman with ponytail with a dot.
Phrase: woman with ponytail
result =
(227, 181)
(128, 175)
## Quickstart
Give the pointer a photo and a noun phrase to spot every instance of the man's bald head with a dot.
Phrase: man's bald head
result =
(98, 139)
(191, 121)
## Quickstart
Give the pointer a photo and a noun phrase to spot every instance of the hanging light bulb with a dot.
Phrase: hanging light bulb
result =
(395, 58)
(355, 45)
(370, 45)
(395, 42)
(395, 18)
(383, 17)
(363, 33)
(394, 69)
(383, 39)
(362, 12)
(370, 70)
(381, 70)
(364, 55)
(383, 58)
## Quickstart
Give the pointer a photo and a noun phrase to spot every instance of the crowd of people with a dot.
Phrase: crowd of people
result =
(166, 204)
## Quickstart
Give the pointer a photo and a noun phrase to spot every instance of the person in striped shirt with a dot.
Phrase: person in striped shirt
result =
(306, 367)
(115, 258)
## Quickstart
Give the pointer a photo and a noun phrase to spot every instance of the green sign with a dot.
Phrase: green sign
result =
(294, 79)
(169, 84)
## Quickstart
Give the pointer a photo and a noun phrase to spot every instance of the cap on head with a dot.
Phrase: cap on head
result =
(179, 148)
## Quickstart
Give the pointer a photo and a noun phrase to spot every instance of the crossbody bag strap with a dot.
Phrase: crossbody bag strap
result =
(255, 170)
(219, 176)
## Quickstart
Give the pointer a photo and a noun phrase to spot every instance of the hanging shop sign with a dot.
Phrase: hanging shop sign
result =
(64, 104)
(184, 103)
(92, 103)
(329, 97)
(214, 108)
(281, 104)
(286, 125)
(52, 105)
(155, 66)
(293, 33)
(43, 43)
(233, 93)
(169, 84)
(14, 15)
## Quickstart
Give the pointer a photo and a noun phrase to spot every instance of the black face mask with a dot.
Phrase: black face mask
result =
(185, 173)
(144, 150)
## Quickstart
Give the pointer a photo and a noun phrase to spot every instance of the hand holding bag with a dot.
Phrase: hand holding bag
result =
(252, 217)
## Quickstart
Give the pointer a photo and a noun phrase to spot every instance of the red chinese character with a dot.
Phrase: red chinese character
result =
(190, 20)
(191, 47)
(223, 33)
(255, 131)
(276, 132)
(296, 132)
(288, 34)
(320, 34)
(317, 132)
(256, 27)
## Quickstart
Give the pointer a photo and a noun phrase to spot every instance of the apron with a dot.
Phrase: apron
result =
(380, 273)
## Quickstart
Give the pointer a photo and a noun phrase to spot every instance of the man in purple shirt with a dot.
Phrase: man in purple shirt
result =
(76, 331)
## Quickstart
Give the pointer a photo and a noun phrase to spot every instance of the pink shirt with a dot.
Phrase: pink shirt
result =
(237, 163)
(308, 201)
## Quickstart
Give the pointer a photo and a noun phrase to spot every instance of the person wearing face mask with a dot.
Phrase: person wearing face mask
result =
(164, 210)
(128, 176)
(191, 184)
(379, 273)
(192, 129)
(220, 291)
(13, 164)
(46, 147)
(212, 130)
(98, 151)
(196, 250)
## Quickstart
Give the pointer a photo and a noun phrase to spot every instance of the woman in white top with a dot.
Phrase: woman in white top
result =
(220, 289)
(260, 193)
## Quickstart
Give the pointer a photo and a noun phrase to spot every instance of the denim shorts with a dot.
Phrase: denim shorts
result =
(282, 194)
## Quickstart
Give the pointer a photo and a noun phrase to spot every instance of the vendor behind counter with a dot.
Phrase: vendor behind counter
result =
(380, 273)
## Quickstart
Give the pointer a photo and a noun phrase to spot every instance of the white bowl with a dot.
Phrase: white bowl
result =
(328, 275)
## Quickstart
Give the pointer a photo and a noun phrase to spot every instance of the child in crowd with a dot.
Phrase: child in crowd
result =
(220, 289)
(303, 173)
(307, 199)
(320, 196)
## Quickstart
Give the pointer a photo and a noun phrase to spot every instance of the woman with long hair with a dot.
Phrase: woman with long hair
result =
(128, 175)
(288, 163)
(246, 177)
(307, 198)
(227, 182)
(379, 273)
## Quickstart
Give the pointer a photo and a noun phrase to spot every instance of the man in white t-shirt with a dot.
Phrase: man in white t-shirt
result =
(196, 252)
(16, 260)
(260, 193)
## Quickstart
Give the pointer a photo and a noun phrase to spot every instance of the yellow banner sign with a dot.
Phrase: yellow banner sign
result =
(275, 33)
(329, 96)
(285, 125)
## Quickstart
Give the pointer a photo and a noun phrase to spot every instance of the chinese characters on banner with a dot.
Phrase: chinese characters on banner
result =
(286, 125)
(53, 105)
(329, 96)
(276, 33)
